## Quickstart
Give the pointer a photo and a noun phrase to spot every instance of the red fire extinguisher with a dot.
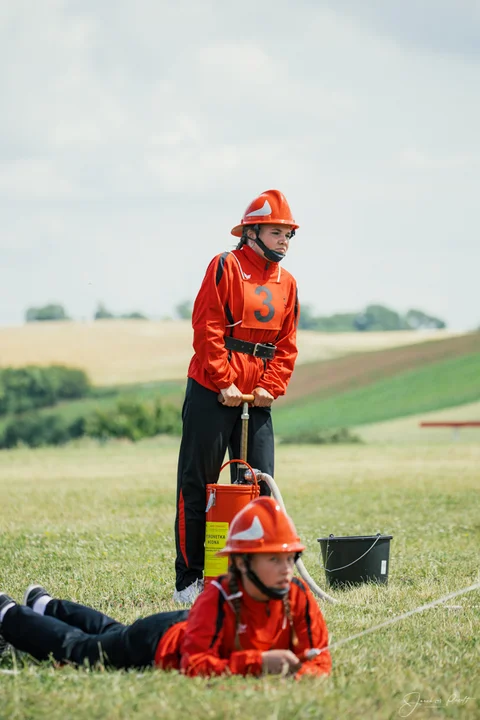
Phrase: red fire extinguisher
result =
(224, 502)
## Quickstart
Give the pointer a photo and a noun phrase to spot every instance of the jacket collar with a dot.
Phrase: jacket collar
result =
(258, 261)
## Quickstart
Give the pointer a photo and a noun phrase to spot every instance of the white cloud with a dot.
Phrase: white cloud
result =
(33, 177)
(184, 130)
(416, 159)
(247, 64)
(132, 137)
(441, 26)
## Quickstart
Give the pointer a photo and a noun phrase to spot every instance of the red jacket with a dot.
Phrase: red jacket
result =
(247, 297)
(205, 643)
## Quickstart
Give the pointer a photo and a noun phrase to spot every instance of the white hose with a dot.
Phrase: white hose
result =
(300, 566)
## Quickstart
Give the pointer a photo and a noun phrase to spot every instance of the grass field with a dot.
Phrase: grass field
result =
(407, 430)
(343, 374)
(95, 524)
(431, 387)
(115, 352)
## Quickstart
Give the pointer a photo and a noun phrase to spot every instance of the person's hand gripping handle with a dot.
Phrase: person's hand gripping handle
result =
(232, 397)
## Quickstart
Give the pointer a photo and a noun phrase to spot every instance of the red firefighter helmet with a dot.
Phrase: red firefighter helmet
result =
(262, 527)
(270, 208)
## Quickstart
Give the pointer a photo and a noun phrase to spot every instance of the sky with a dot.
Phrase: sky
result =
(134, 133)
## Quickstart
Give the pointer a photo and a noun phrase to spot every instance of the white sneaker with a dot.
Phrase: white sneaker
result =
(188, 595)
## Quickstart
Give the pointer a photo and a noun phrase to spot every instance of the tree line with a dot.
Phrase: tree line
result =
(373, 318)
(56, 312)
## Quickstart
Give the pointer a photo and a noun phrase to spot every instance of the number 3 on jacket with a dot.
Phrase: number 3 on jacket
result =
(263, 306)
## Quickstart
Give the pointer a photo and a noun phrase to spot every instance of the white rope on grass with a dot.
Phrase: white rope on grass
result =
(391, 621)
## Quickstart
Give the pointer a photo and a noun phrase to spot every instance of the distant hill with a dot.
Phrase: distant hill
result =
(321, 379)
(364, 387)
(115, 352)
(376, 387)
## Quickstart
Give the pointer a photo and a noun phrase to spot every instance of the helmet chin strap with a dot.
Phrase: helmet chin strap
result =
(274, 593)
(271, 255)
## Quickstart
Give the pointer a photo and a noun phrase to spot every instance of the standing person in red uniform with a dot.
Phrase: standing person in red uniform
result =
(258, 619)
(244, 321)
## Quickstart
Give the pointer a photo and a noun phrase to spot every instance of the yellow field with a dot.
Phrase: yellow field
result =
(115, 352)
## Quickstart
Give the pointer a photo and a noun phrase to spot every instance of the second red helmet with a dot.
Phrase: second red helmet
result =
(262, 527)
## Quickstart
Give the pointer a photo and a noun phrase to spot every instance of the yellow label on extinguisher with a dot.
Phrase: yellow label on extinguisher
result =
(215, 540)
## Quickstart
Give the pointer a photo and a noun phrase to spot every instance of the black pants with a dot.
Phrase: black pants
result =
(209, 429)
(77, 634)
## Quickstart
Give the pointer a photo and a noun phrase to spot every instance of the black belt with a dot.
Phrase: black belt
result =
(261, 350)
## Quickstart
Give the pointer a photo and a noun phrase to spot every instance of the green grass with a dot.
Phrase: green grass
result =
(95, 524)
(441, 385)
(407, 430)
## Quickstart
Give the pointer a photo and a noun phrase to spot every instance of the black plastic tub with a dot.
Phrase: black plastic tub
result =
(355, 560)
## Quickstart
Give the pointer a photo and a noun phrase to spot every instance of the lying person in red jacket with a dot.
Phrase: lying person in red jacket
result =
(258, 619)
